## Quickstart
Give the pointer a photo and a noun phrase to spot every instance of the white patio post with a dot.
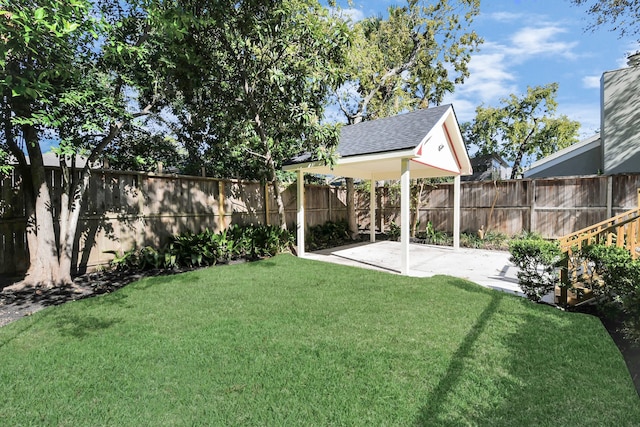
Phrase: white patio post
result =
(372, 211)
(456, 212)
(300, 215)
(405, 191)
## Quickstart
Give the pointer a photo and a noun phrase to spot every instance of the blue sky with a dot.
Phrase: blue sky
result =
(530, 43)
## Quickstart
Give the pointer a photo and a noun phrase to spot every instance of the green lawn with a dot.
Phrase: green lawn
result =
(295, 342)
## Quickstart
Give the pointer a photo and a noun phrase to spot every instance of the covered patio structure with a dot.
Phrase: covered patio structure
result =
(420, 144)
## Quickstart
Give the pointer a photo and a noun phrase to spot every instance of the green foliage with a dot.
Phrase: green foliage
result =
(327, 235)
(522, 127)
(537, 261)
(394, 231)
(125, 261)
(408, 60)
(189, 249)
(265, 69)
(621, 16)
(433, 236)
(619, 283)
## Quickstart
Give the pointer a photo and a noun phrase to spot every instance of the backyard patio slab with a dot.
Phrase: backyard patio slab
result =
(488, 268)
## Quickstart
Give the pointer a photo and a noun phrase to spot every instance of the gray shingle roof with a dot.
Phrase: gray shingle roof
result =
(401, 132)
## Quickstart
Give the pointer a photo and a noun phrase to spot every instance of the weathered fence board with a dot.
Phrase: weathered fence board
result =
(127, 209)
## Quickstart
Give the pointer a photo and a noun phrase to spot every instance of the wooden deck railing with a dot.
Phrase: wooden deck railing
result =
(621, 230)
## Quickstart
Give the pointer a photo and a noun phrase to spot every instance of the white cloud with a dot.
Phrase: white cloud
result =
(489, 78)
(492, 71)
(351, 14)
(591, 82)
(530, 42)
(505, 16)
(465, 109)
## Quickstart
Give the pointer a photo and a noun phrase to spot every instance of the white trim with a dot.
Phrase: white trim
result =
(456, 212)
(405, 190)
(300, 214)
(372, 210)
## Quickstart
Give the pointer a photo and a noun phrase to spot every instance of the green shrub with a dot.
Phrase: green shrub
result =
(126, 261)
(394, 231)
(207, 248)
(327, 235)
(620, 283)
(192, 249)
(537, 261)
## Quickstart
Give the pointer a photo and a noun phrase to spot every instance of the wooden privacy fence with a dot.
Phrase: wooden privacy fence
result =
(552, 207)
(127, 209)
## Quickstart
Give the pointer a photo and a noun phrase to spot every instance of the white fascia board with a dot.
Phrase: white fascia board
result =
(307, 165)
(363, 158)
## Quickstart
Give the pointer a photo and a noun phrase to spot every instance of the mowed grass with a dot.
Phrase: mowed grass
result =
(288, 341)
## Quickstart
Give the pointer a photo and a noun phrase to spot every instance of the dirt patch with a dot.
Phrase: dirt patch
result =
(14, 305)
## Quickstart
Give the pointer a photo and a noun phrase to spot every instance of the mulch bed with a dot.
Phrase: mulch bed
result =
(15, 305)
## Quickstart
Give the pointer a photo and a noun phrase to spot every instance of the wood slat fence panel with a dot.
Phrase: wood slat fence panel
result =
(127, 209)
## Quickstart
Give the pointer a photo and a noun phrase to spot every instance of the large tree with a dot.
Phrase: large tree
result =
(267, 69)
(621, 16)
(83, 73)
(406, 61)
(75, 72)
(522, 127)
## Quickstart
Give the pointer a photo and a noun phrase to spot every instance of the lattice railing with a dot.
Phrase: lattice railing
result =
(621, 230)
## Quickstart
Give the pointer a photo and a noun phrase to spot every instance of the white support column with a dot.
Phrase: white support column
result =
(405, 192)
(372, 211)
(456, 212)
(300, 216)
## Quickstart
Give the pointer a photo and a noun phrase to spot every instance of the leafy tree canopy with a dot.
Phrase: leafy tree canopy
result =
(409, 60)
(621, 16)
(522, 127)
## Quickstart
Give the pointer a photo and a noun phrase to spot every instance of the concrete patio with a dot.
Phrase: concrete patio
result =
(491, 269)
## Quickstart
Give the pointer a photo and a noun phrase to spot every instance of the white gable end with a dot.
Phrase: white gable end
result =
(436, 151)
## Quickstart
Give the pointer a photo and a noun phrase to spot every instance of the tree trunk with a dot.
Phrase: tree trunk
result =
(517, 162)
(277, 192)
(351, 209)
(69, 217)
(417, 204)
(44, 269)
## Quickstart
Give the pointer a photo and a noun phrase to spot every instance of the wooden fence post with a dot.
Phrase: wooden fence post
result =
(609, 196)
(532, 206)
(330, 206)
(267, 213)
(221, 210)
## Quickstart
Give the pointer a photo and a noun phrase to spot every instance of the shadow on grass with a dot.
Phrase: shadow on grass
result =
(555, 352)
(429, 413)
(81, 325)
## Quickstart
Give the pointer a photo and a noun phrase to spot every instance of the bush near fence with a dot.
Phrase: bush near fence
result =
(131, 209)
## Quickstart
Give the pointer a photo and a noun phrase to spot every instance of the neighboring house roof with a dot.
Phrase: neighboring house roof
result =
(430, 138)
(484, 168)
(478, 160)
(562, 156)
(51, 159)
